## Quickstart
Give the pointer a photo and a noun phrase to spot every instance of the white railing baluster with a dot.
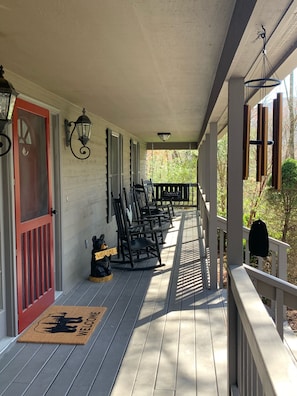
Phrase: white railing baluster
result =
(279, 312)
(221, 255)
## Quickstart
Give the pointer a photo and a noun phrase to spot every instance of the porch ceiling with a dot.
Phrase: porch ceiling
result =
(145, 65)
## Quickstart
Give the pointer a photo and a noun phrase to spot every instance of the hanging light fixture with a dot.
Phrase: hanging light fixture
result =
(8, 97)
(83, 128)
(265, 80)
(164, 136)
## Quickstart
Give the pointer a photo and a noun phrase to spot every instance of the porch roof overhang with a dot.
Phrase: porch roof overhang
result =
(146, 66)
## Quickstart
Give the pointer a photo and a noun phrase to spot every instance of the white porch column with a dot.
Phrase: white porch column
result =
(234, 171)
(234, 209)
(212, 198)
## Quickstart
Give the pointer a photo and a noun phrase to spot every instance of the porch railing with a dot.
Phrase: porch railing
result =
(259, 363)
(275, 264)
(270, 275)
(180, 194)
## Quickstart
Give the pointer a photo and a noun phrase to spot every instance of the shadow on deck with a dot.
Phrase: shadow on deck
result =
(163, 334)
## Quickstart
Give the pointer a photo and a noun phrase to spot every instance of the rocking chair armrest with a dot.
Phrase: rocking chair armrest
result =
(142, 228)
(140, 223)
(154, 216)
(135, 230)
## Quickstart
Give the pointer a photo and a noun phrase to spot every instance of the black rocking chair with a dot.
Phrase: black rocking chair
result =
(135, 243)
(146, 209)
(149, 187)
(135, 219)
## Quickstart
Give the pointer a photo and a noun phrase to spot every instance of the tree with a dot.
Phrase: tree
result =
(292, 119)
(172, 166)
(253, 199)
(286, 198)
(222, 176)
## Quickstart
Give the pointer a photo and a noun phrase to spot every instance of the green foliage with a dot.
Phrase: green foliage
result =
(289, 176)
(172, 166)
(222, 176)
(285, 200)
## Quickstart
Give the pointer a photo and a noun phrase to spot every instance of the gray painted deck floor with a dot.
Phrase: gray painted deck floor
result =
(163, 334)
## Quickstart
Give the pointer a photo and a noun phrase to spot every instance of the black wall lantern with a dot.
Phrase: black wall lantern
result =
(8, 97)
(83, 128)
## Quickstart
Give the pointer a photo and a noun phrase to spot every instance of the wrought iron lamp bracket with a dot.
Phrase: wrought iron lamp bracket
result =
(84, 151)
(5, 142)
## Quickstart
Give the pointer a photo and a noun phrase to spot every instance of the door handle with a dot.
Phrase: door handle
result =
(53, 212)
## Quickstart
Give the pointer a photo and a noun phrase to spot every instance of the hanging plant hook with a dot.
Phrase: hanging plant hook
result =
(265, 81)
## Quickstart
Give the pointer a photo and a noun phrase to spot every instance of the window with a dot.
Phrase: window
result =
(134, 162)
(114, 168)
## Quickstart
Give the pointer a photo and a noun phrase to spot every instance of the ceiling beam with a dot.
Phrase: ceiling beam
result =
(172, 146)
(240, 19)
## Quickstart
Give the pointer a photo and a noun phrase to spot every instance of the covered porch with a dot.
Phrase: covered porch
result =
(146, 67)
(164, 332)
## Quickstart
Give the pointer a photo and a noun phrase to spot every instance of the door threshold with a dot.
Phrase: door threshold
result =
(5, 342)
(58, 294)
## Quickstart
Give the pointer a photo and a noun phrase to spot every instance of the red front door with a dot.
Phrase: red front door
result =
(33, 202)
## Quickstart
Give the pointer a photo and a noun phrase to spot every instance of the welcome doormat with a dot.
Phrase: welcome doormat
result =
(64, 325)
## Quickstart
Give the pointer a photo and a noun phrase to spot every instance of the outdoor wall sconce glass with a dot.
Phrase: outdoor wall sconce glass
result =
(8, 97)
(164, 136)
(83, 128)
